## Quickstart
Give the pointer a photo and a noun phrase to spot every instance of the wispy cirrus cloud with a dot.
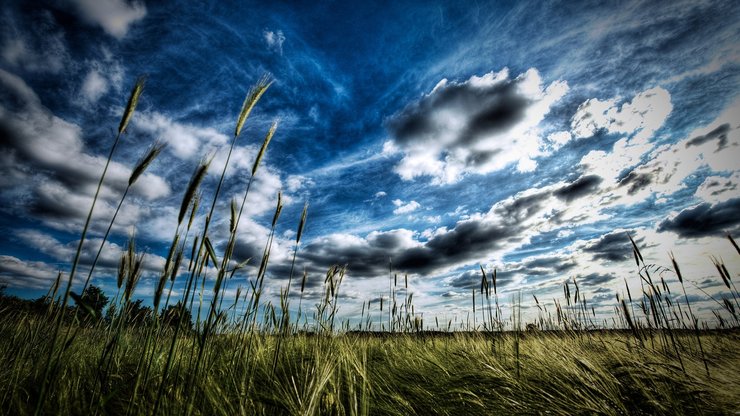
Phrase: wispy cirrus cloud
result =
(274, 40)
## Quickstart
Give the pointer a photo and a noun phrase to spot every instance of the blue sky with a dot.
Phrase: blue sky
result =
(529, 137)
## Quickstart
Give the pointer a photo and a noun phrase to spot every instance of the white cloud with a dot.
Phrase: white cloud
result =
(185, 141)
(389, 149)
(94, 86)
(716, 189)
(565, 233)
(101, 76)
(26, 274)
(637, 119)
(380, 194)
(558, 139)
(645, 114)
(667, 167)
(297, 182)
(405, 208)
(474, 127)
(274, 40)
(526, 165)
(114, 16)
(54, 171)
(624, 155)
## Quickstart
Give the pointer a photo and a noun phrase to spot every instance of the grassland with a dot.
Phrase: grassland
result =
(594, 372)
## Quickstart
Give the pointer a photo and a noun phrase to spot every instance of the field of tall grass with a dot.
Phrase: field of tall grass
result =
(246, 355)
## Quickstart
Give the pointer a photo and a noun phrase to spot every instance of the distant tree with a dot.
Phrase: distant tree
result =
(96, 300)
(171, 316)
(110, 313)
(12, 305)
(136, 314)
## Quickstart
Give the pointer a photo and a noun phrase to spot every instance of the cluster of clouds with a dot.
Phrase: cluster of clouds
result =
(477, 126)
(483, 125)
(46, 160)
(638, 169)
(51, 164)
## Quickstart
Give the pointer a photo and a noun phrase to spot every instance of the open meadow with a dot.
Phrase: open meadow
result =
(563, 372)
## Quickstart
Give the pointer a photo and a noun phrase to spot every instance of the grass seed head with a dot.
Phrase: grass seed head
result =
(303, 281)
(734, 244)
(194, 208)
(302, 223)
(263, 148)
(134, 276)
(145, 161)
(195, 180)
(675, 268)
(122, 269)
(178, 261)
(133, 100)
(278, 208)
(232, 224)
(211, 251)
(250, 101)
(494, 282)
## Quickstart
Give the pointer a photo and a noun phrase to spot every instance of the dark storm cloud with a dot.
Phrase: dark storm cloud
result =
(470, 240)
(602, 290)
(467, 241)
(720, 134)
(467, 280)
(614, 246)
(46, 205)
(490, 110)
(522, 208)
(536, 268)
(637, 181)
(705, 220)
(718, 186)
(579, 188)
(476, 126)
(48, 163)
(248, 250)
(595, 279)
(108, 261)
(35, 136)
(551, 264)
(360, 262)
(471, 279)
(473, 239)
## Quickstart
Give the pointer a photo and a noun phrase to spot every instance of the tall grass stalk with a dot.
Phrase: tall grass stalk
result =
(228, 253)
(250, 101)
(285, 299)
(127, 114)
(138, 170)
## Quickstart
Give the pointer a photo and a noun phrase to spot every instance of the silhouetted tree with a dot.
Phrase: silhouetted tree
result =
(95, 299)
(171, 317)
(138, 314)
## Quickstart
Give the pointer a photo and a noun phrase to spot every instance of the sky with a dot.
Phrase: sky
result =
(433, 138)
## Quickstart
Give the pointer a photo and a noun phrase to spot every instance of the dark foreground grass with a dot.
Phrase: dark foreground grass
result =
(598, 372)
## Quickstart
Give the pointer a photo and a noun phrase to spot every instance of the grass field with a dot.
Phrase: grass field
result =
(604, 372)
